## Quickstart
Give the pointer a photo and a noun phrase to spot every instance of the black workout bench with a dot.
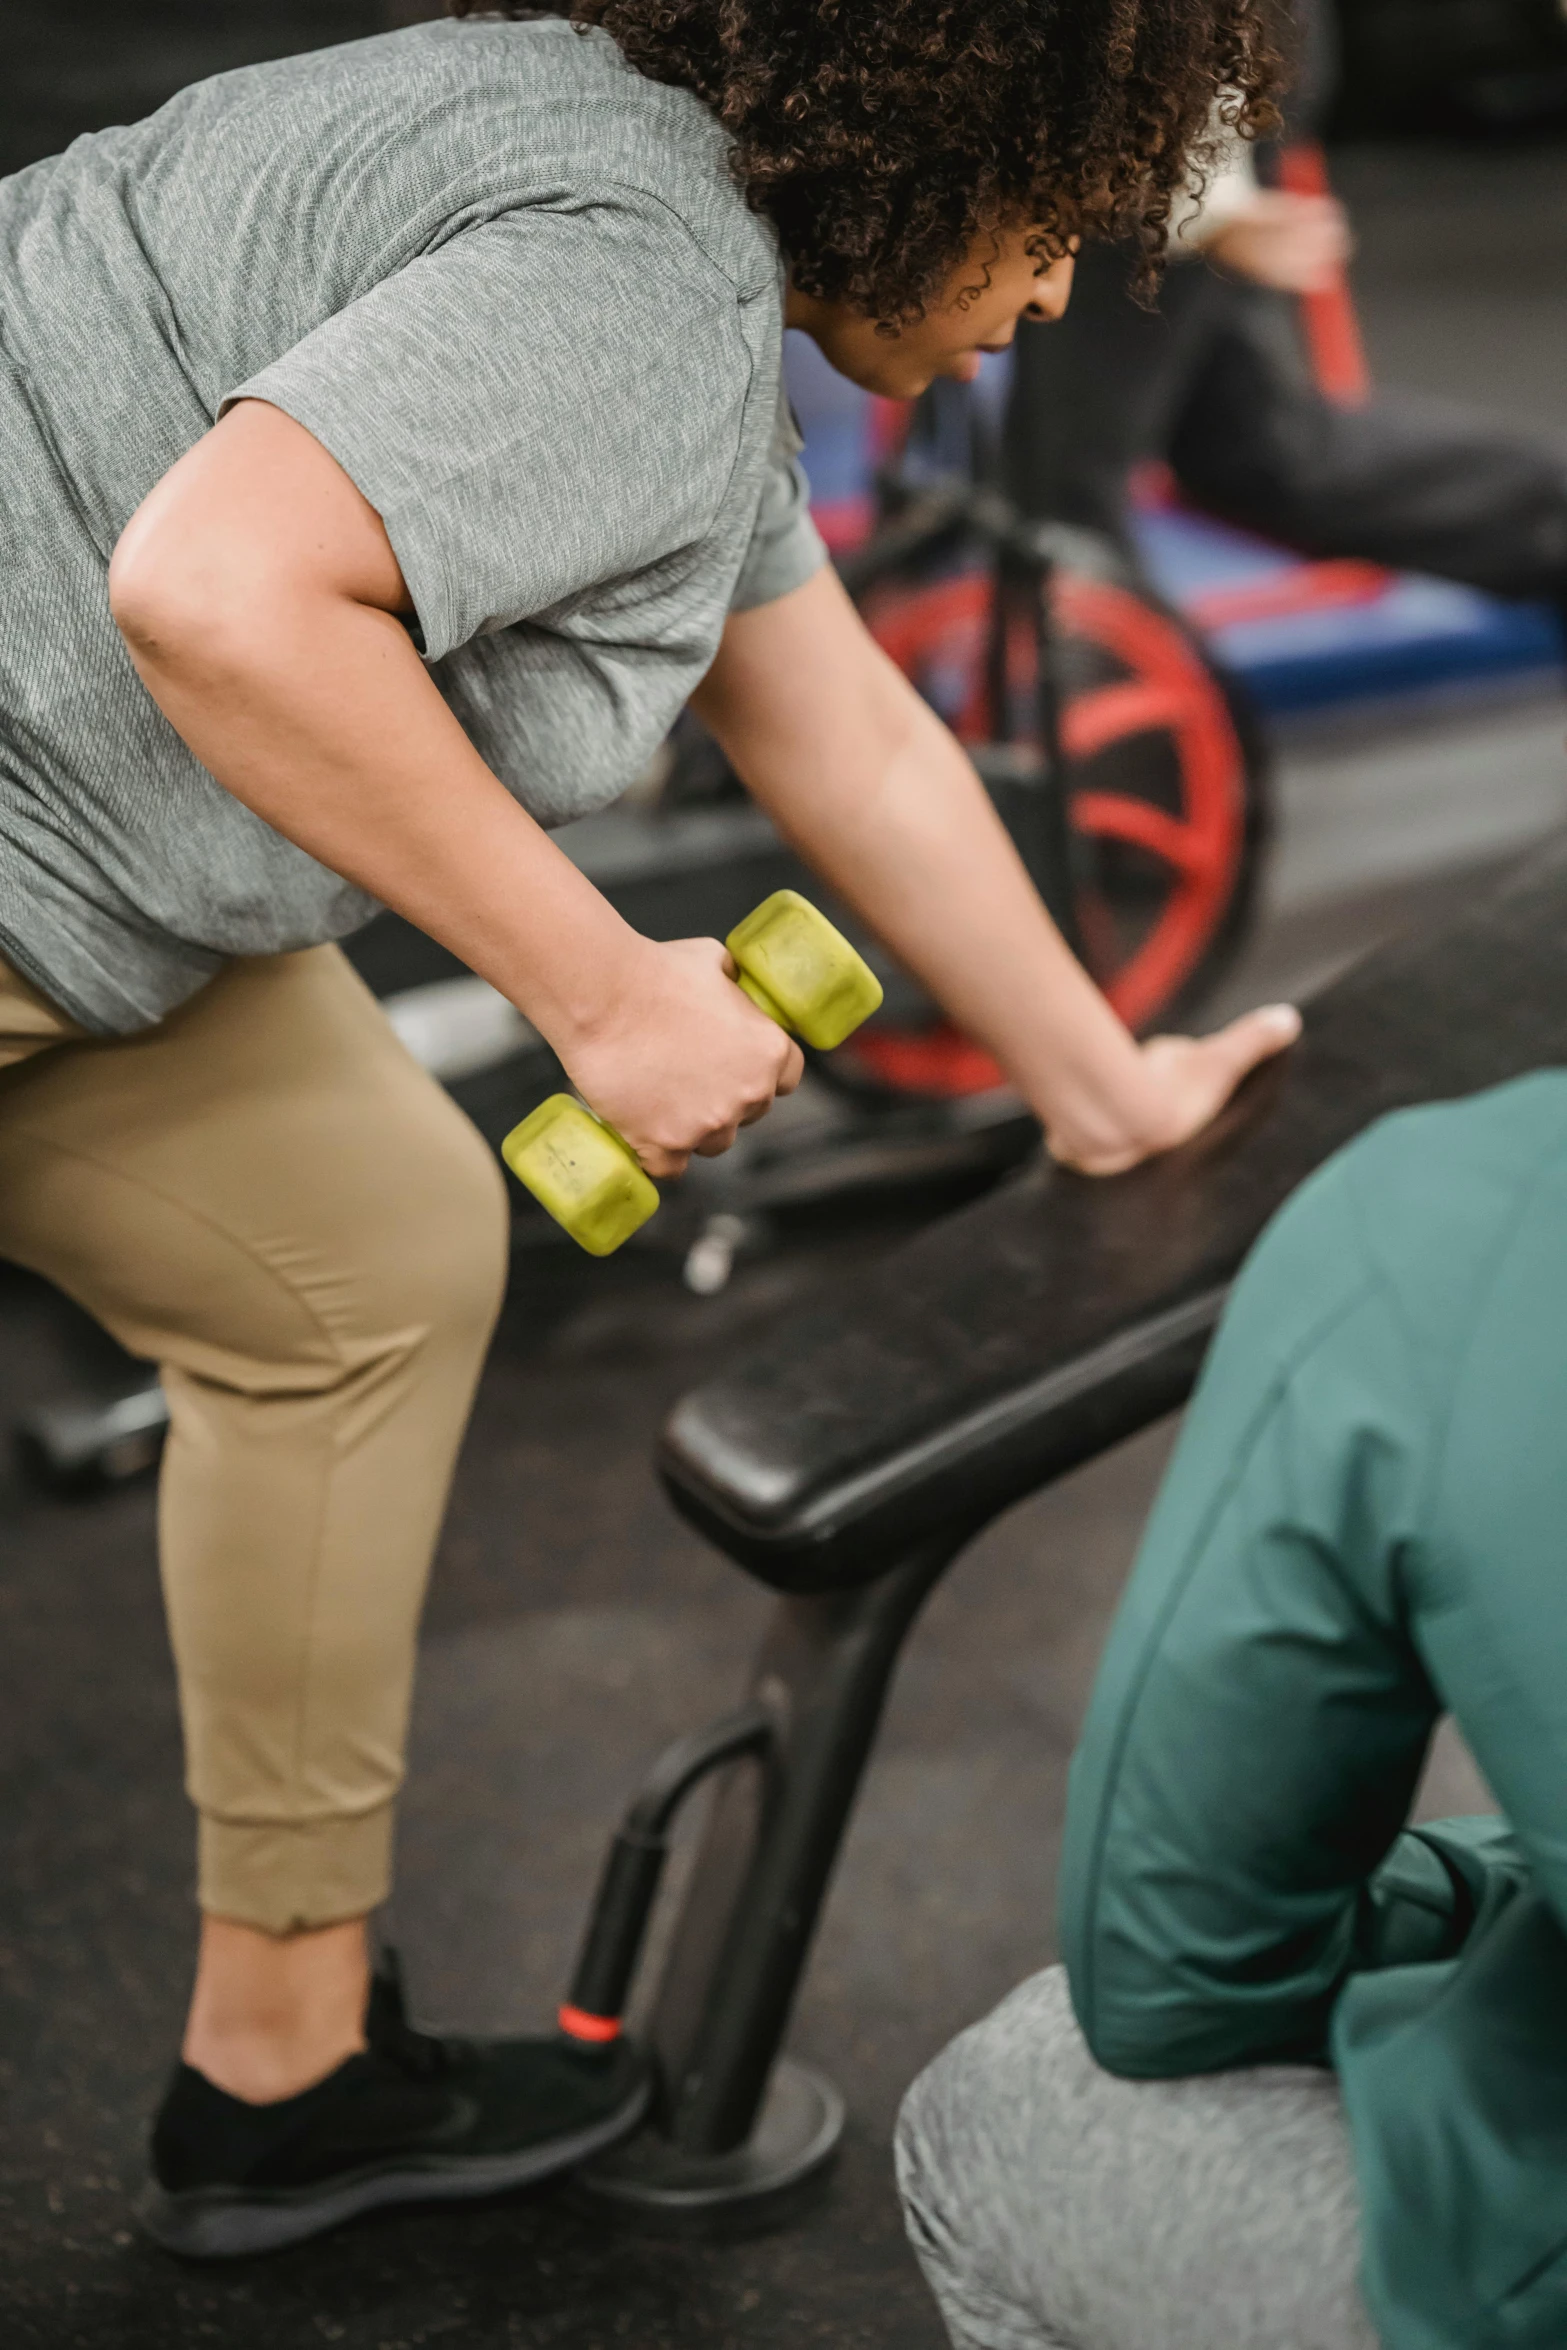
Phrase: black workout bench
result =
(847, 1461)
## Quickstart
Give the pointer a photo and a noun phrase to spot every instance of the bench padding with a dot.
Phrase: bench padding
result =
(1018, 1338)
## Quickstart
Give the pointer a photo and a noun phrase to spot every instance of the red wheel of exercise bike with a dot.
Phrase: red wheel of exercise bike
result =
(1165, 792)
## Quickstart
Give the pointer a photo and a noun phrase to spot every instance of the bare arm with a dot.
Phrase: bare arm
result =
(1293, 242)
(260, 599)
(870, 786)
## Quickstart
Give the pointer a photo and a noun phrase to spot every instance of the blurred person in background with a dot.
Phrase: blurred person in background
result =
(1216, 381)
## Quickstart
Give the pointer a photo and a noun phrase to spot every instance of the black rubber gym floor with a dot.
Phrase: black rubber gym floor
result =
(573, 1626)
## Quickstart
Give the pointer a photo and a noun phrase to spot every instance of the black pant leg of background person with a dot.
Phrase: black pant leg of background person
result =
(1215, 381)
(1103, 388)
(1399, 481)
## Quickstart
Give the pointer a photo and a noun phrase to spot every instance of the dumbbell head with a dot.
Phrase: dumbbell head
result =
(802, 972)
(580, 1170)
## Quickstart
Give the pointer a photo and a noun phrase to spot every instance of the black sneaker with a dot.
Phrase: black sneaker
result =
(412, 2119)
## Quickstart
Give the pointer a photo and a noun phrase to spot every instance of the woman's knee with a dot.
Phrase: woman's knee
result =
(400, 1204)
(436, 1243)
(263, 1189)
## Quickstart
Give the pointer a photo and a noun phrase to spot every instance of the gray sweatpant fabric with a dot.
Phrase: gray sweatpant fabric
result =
(1055, 2207)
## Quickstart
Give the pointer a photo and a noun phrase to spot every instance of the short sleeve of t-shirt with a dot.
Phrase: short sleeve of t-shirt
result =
(552, 399)
(786, 548)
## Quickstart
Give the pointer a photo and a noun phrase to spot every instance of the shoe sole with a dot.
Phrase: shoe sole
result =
(226, 2223)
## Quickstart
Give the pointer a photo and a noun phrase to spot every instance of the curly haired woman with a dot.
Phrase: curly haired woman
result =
(393, 444)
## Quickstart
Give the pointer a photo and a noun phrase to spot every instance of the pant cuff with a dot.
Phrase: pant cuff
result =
(287, 1878)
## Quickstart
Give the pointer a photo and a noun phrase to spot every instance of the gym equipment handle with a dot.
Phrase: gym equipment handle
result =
(629, 1885)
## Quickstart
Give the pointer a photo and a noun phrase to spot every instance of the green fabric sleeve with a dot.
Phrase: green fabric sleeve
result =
(1365, 1525)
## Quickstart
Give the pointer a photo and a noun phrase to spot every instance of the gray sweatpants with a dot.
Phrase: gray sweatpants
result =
(1055, 2207)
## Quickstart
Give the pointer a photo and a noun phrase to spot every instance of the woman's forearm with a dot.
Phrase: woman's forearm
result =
(865, 780)
(923, 857)
(872, 789)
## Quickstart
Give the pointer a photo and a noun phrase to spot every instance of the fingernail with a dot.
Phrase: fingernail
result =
(1284, 1017)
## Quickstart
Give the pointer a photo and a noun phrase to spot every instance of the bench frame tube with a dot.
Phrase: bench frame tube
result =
(756, 1891)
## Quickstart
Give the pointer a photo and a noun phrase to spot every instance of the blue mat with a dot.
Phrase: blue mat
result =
(1404, 634)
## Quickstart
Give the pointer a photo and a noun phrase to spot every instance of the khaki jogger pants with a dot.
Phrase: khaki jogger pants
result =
(267, 1197)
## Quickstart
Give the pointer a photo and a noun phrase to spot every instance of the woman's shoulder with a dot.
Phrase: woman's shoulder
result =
(498, 110)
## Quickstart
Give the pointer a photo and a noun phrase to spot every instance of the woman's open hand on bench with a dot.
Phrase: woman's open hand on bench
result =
(1188, 1081)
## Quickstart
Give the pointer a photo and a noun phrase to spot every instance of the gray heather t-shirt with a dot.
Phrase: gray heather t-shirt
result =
(510, 285)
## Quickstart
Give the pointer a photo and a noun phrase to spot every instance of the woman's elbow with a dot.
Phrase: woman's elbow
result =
(152, 597)
(175, 602)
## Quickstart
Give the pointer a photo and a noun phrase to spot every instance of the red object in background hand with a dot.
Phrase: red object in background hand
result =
(1338, 356)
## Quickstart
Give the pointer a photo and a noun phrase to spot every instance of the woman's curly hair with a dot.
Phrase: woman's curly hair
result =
(883, 137)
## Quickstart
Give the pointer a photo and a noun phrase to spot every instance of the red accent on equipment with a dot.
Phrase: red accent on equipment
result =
(1200, 845)
(1304, 587)
(1151, 486)
(1338, 356)
(579, 2025)
(845, 523)
(939, 1060)
(887, 428)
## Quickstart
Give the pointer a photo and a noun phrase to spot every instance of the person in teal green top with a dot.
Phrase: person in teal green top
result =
(1364, 1527)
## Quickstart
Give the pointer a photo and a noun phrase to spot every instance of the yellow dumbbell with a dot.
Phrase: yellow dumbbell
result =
(794, 967)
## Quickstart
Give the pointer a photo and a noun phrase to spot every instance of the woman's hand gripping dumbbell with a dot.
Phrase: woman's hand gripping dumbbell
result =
(591, 1171)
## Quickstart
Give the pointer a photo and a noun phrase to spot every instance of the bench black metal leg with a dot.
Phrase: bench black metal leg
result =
(733, 2133)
